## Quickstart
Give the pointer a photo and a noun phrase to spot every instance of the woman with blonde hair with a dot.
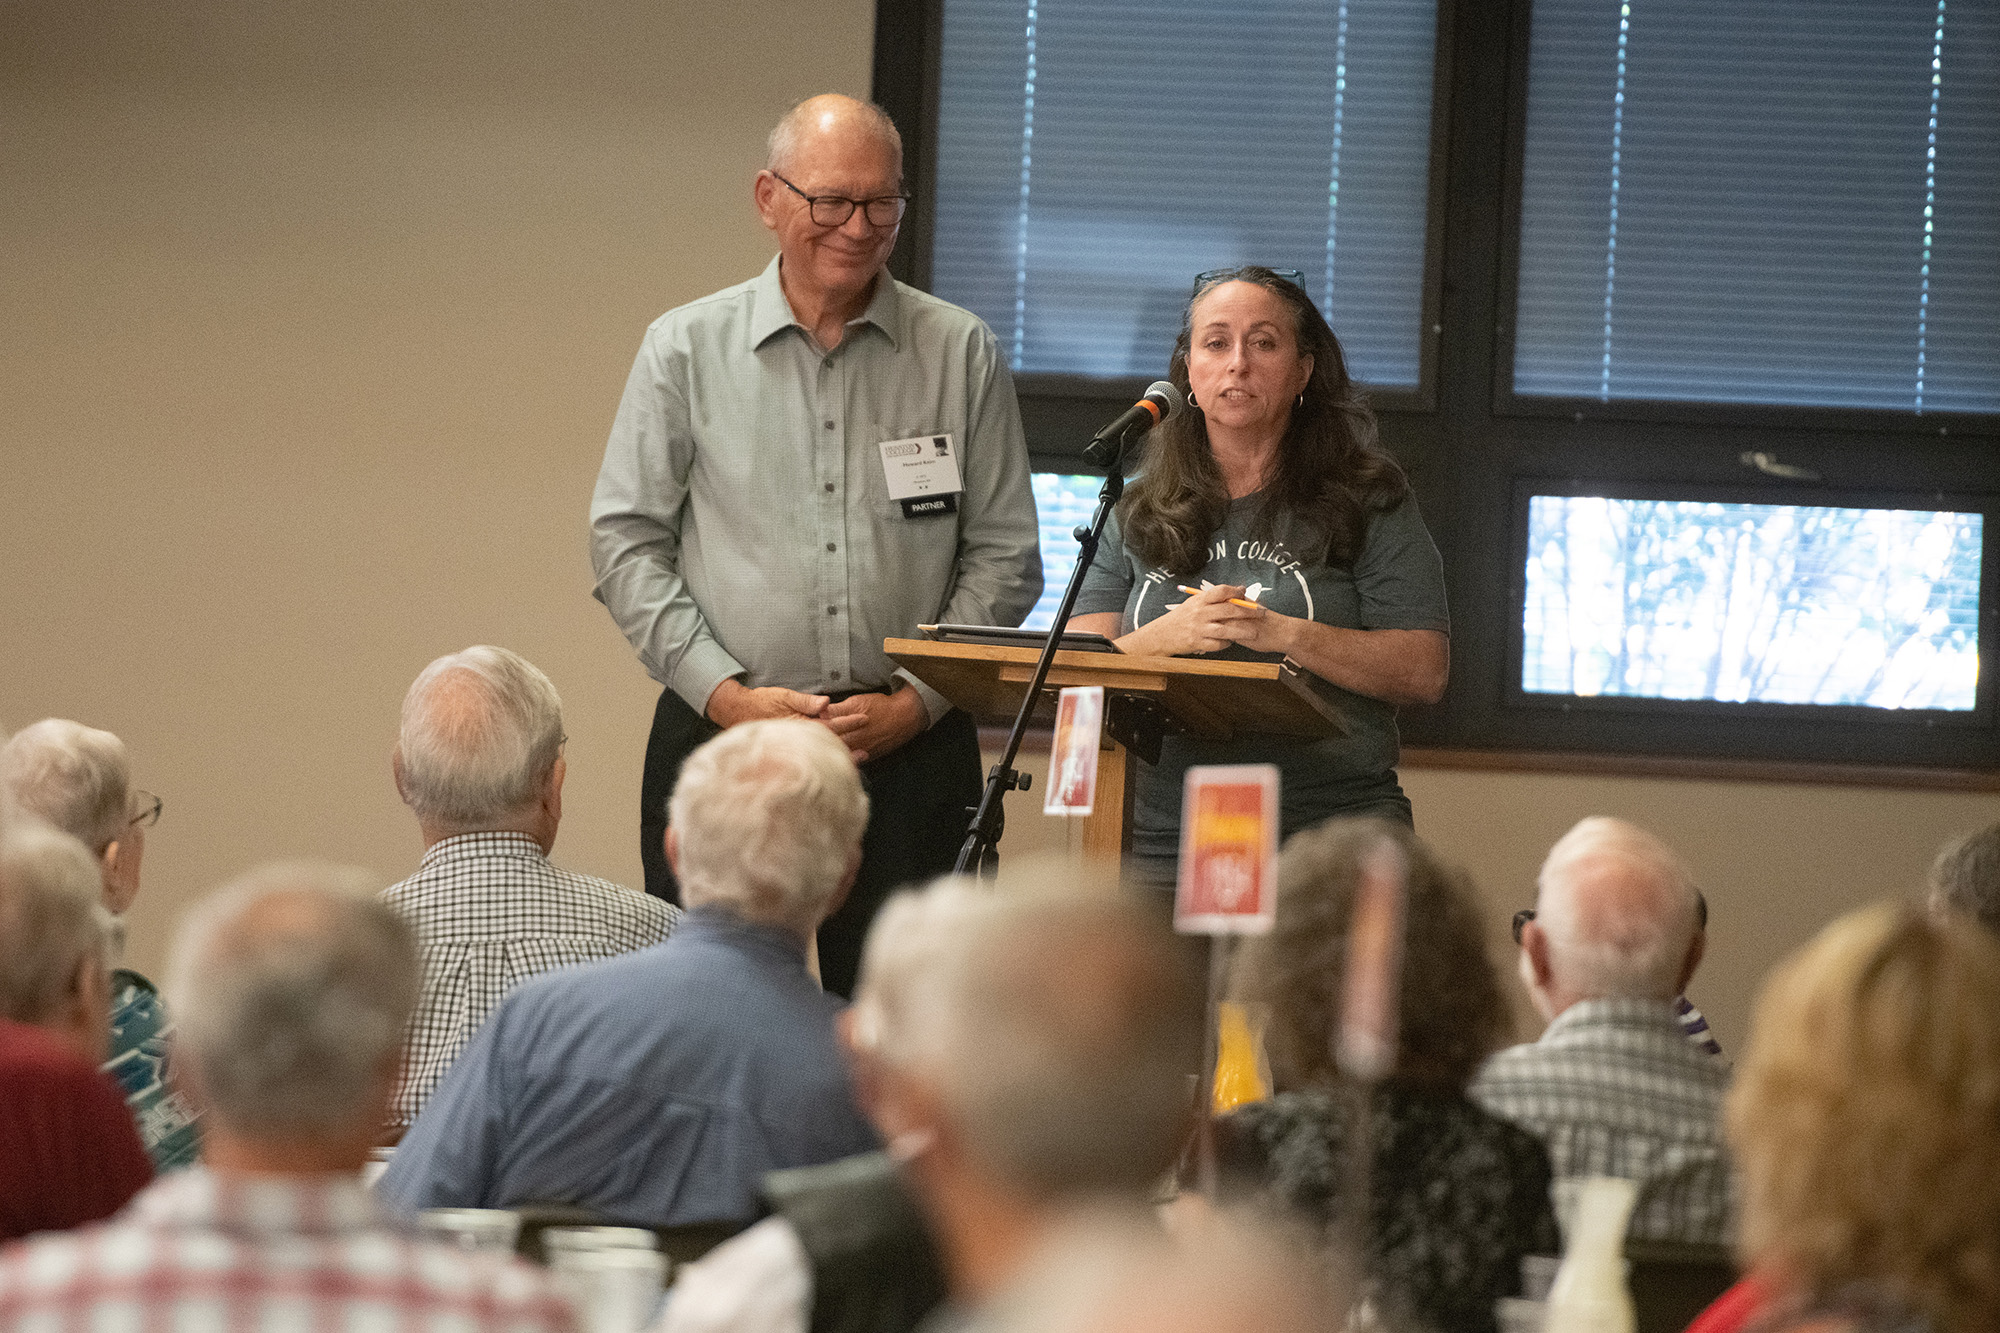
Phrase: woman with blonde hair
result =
(1866, 1125)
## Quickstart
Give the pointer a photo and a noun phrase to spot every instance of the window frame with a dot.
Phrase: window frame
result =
(1470, 444)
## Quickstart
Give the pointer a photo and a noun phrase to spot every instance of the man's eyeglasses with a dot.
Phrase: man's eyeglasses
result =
(146, 809)
(833, 210)
(1527, 914)
(1211, 276)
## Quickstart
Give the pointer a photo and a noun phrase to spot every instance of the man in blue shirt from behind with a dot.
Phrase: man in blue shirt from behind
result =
(658, 1087)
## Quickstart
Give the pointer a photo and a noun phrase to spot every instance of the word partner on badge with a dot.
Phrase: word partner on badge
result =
(922, 474)
(1229, 851)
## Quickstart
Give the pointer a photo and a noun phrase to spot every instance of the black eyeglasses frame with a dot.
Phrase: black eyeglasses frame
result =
(814, 203)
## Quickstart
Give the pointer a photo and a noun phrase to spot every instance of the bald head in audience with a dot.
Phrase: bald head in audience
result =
(480, 748)
(293, 987)
(1617, 917)
(1235, 1274)
(1024, 1053)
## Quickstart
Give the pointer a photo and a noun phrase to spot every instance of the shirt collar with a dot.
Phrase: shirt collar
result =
(717, 922)
(771, 314)
(1613, 1013)
(463, 846)
(316, 1205)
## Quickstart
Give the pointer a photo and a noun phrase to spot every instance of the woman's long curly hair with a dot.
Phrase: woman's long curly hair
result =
(1329, 471)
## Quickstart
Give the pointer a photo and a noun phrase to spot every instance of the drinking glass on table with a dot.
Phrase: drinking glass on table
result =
(616, 1288)
(480, 1230)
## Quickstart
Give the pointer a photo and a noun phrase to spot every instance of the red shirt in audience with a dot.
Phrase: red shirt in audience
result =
(1734, 1309)
(71, 1153)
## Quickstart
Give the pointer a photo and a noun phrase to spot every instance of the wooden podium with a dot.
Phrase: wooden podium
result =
(1145, 699)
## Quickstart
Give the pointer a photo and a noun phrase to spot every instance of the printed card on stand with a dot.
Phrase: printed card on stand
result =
(1072, 785)
(1229, 851)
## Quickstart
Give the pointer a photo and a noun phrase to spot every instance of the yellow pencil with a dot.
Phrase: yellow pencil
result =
(1234, 601)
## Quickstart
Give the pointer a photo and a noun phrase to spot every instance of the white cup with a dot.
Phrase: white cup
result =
(481, 1230)
(615, 1290)
(564, 1239)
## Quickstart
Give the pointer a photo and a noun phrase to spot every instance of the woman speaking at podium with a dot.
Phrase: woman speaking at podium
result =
(1300, 538)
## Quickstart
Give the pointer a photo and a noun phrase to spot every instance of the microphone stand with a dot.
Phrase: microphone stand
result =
(988, 820)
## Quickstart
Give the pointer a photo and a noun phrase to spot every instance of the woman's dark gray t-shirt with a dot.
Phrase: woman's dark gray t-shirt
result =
(1397, 582)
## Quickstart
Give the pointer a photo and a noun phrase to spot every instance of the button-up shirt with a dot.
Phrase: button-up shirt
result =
(200, 1251)
(656, 1088)
(490, 911)
(742, 523)
(1614, 1088)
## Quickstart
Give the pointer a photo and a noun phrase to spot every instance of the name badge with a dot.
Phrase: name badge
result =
(922, 474)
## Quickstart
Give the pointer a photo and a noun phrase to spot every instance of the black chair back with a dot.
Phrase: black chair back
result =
(1672, 1283)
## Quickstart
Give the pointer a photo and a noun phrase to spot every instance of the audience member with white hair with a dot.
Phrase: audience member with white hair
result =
(1025, 1052)
(479, 761)
(658, 1087)
(1235, 1273)
(68, 1152)
(293, 989)
(79, 779)
(1965, 878)
(1613, 1086)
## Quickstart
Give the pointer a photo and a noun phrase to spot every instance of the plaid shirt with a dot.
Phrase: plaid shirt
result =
(200, 1251)
(1615, 1088)
(490, 912)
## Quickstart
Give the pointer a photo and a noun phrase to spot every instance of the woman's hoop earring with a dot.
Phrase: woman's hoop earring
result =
(1190, 399)
(1301, 402)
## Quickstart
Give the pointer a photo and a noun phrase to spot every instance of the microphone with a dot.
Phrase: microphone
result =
(1161, 400)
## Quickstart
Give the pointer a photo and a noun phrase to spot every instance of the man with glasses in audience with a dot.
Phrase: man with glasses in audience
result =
(79, 780)
(751, 530)
(1613, 1086)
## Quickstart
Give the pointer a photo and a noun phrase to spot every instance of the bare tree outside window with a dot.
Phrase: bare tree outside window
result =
(1684, 599)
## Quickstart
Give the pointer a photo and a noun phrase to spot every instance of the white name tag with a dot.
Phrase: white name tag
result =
(923, 469)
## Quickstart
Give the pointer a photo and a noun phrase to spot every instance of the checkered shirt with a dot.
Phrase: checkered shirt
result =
(490, 912)
(1614, 1088)
(200, 1251)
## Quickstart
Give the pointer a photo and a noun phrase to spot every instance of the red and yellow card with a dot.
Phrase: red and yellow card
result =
(1229, 851)
(1072, 785)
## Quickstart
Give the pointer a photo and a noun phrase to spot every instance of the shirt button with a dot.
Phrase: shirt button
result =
(833, 610)
(828, 425)
(829, 485)
(836, 675)
(829, 546)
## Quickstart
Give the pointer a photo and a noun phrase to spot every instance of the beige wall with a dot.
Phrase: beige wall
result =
(310, 331)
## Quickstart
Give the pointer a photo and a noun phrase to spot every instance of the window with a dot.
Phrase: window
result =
(1763, 530)
(1762, 203)
(1751, 603)
(1063, 502)
(1094, 155)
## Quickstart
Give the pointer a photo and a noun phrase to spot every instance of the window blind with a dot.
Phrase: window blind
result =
(1094, 155)
(1763, 201)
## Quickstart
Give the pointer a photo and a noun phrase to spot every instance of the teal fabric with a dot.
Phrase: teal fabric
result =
(140, 1029)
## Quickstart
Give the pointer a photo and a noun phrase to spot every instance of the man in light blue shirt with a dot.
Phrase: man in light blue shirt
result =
(658, 1087)
(746, 533)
